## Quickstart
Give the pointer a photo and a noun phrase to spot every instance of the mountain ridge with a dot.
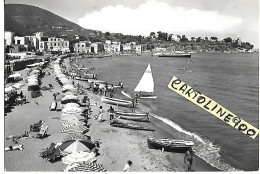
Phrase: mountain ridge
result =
(27, 19)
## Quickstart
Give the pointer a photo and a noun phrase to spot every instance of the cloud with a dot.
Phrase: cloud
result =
(158, 16)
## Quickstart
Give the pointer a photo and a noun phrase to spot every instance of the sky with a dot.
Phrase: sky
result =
(192, 18)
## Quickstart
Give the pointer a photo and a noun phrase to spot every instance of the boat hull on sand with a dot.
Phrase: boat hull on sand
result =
(117, 123)
(171, 145)
(132, 116)
(118, 102)
(183, 55)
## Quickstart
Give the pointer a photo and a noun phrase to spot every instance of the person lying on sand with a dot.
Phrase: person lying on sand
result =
(17, 147)
(26, 134)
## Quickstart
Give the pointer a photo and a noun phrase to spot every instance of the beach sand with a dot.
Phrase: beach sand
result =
(117, 145)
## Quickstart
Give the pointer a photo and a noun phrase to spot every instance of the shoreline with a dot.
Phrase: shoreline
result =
(113, 155)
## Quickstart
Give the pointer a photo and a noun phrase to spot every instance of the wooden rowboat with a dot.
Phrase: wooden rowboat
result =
(172, 145)
(117, 123)
(116, 101)
(132, 116)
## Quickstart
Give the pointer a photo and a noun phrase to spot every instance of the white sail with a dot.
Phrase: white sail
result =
(146, 84)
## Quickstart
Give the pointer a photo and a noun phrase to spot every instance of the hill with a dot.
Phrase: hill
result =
(26, 20)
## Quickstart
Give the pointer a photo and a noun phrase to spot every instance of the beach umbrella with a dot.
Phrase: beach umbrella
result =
(71, 110)
(9, 89)
(72, 122)
(69, 99)
(85, 167)
(71, 146)
(17, 85)
(74, 129)
(69, 87)
(78, 157)
(68, 105)
(69, 92)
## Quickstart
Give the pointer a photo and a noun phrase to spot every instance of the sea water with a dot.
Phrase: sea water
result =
(229, 79)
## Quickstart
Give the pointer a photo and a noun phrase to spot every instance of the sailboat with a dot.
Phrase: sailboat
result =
(145, 87)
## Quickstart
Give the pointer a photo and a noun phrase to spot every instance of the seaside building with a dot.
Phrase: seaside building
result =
(57, 44)
(9, 38)
(82, 47)
(108, 48)
(21, 40)
(96, 47)
(237, 39)
(36, 39)
(127, 48)
(138, 49)
(175, 38)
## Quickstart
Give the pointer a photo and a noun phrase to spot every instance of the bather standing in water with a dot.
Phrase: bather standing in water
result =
(189, 158)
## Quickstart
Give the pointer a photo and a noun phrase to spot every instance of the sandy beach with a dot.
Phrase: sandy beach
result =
(117, 145)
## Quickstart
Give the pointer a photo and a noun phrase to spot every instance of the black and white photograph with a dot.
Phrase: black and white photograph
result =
(130, 85)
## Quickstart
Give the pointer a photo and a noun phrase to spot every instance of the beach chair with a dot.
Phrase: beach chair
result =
(53, 106)
(36, 127)
(48, 151)
(43, 132)
(58, 106)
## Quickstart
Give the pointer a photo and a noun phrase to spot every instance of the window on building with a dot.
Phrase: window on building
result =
(54, 43)
(51, 44)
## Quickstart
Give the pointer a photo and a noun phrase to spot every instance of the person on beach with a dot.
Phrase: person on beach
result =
(54, 96)
(101, 111)
(112, 89)
(128, 166)
(111, 112)
(105, 90)
(189, 158)
(17, 147)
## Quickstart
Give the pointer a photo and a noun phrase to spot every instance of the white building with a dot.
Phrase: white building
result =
(96, 47)
(138, 49)
(82, 47)
(57, 44)
(21, 40)
(9, 37)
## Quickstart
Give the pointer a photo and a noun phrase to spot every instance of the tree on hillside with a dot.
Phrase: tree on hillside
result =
(198, 39)
(107, 34)
(206, 39)
(152, 34)
(227, 40)
(184, 39)
(192, 39)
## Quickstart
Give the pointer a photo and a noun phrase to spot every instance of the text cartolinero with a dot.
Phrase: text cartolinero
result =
(212, 107)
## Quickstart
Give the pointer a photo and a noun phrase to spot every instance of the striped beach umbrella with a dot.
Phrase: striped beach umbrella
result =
(85, 167)
(71, 146)
(71, 105)
(71, 110)
(71, 129)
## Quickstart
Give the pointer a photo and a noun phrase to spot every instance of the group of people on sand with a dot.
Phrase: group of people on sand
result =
(100, 116)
